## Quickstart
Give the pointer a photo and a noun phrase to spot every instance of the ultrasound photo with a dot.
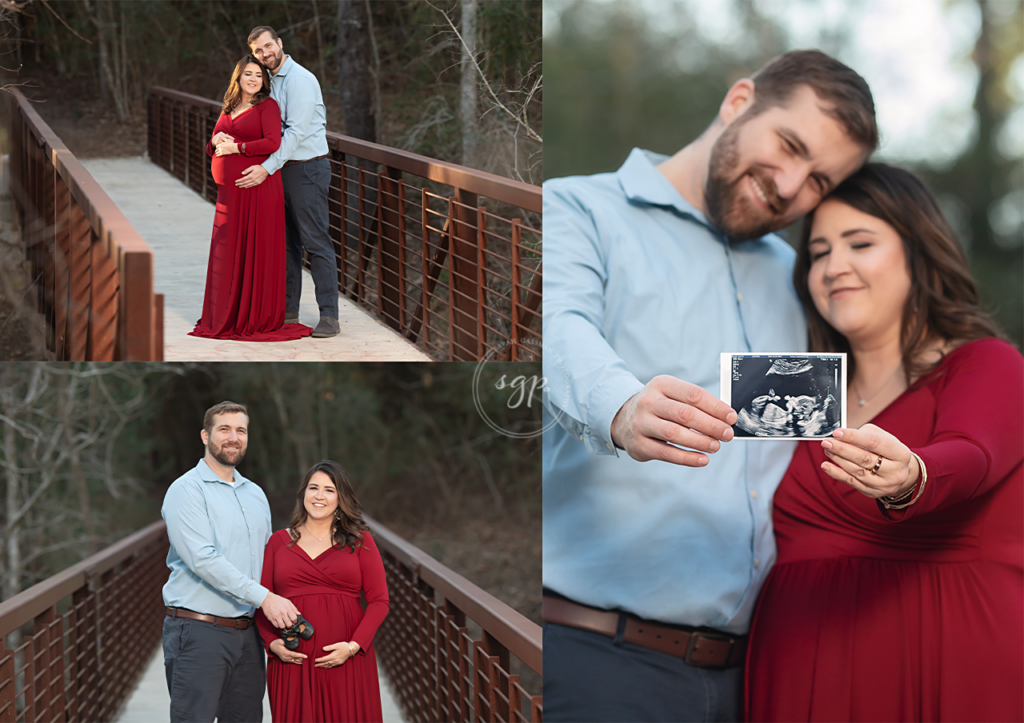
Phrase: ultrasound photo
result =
(785, 396)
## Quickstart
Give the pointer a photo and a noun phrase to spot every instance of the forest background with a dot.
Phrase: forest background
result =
(88, 450)
(947, 75)
(459, 81)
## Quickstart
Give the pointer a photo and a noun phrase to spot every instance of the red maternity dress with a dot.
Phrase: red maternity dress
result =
(245, 278)
(326, 591)
(909, 615)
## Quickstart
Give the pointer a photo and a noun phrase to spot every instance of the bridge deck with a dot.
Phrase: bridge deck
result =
(176, 223)
(150, 703)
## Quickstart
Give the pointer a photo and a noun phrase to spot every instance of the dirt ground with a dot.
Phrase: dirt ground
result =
(87, 127)
(21, 335)
(501, 556)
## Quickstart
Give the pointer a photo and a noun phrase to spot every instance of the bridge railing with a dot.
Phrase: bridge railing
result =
(444, 669)
(93, 629)
(448, 647)
(448, 256)
(93, 273)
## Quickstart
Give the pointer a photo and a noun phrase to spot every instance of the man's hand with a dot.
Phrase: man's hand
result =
(667, 412)
(252, 177)
(279, 611)
(221, 138)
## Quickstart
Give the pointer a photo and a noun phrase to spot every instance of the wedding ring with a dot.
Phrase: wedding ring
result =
(874, 470)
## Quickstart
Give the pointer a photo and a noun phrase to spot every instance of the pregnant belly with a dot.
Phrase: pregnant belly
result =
(228, 169)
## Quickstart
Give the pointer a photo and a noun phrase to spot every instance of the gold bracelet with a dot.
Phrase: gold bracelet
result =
(892, 504)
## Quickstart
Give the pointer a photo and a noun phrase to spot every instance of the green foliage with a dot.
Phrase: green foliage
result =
(410, 436)
(192, 46)
(618, 79)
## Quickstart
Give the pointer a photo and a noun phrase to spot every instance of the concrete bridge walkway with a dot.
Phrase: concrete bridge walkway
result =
(151, 703)
(176, 223)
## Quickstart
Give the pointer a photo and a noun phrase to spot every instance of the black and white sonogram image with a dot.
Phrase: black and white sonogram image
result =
(785, 396)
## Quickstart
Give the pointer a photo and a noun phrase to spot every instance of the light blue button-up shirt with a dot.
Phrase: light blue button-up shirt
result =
(218, 533)
(637, 283)
(303, 115)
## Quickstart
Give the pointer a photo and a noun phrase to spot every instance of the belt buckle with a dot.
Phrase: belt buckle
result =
(697, 636)
(238, 623)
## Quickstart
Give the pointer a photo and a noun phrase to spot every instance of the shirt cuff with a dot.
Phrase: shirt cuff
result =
(605, 402)
(257, 595)
(271, 165)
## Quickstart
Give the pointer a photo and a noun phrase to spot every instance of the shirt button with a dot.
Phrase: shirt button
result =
(254, 554)
(581, 437)
(753, 495)
(757, 562)
(739, 296)
(609, 446)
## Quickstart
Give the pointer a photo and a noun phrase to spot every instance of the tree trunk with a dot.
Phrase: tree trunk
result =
(354, 70)
(469, 85)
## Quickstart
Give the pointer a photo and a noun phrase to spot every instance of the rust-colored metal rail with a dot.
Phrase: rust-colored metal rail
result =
(446, 255)
(448, 647)
(441, 671)
(92, 271)
(94, 627)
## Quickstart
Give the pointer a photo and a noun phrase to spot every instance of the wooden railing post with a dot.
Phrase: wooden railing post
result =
(391, 242)
(7, 682)
(462, 267)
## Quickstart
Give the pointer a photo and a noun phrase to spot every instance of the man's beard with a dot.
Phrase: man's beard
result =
(729, 209)
(222, 455)
(277, 60)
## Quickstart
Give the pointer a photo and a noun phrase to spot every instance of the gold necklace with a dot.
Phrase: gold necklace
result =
(861, 401)
(319, 539)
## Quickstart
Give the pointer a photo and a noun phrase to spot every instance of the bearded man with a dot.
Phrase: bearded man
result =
(303, 160)
(651, 570)
(218, 523)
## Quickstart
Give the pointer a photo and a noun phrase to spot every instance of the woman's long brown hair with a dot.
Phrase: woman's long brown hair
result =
(942, 303)
(348, 526)
(233, 96)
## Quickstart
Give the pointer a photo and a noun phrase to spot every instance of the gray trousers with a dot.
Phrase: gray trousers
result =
(588, 677)
(307, 227)
(213, 671)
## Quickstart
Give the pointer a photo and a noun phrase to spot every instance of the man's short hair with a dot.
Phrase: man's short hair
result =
(221, 408)
(830, 80)
(258, 31)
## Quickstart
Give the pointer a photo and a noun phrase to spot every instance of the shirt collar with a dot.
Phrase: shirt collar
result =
(284, 69)
(209, 475)
(642, 182)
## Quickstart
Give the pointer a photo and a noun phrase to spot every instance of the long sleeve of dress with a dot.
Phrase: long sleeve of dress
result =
(375, 589)
(267, 631)
(975, 444)
(270, 122)
(222, 126)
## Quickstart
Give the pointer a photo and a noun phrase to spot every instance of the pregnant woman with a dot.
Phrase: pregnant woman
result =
(898, 594)
(245, 281)
(322, 563)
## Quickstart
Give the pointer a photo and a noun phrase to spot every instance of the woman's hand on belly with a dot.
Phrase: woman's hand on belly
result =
(339, 653)
(278, 648)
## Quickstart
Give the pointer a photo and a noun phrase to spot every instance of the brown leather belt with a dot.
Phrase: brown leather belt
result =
(236, 623)
(700, 648)
(306, 160)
